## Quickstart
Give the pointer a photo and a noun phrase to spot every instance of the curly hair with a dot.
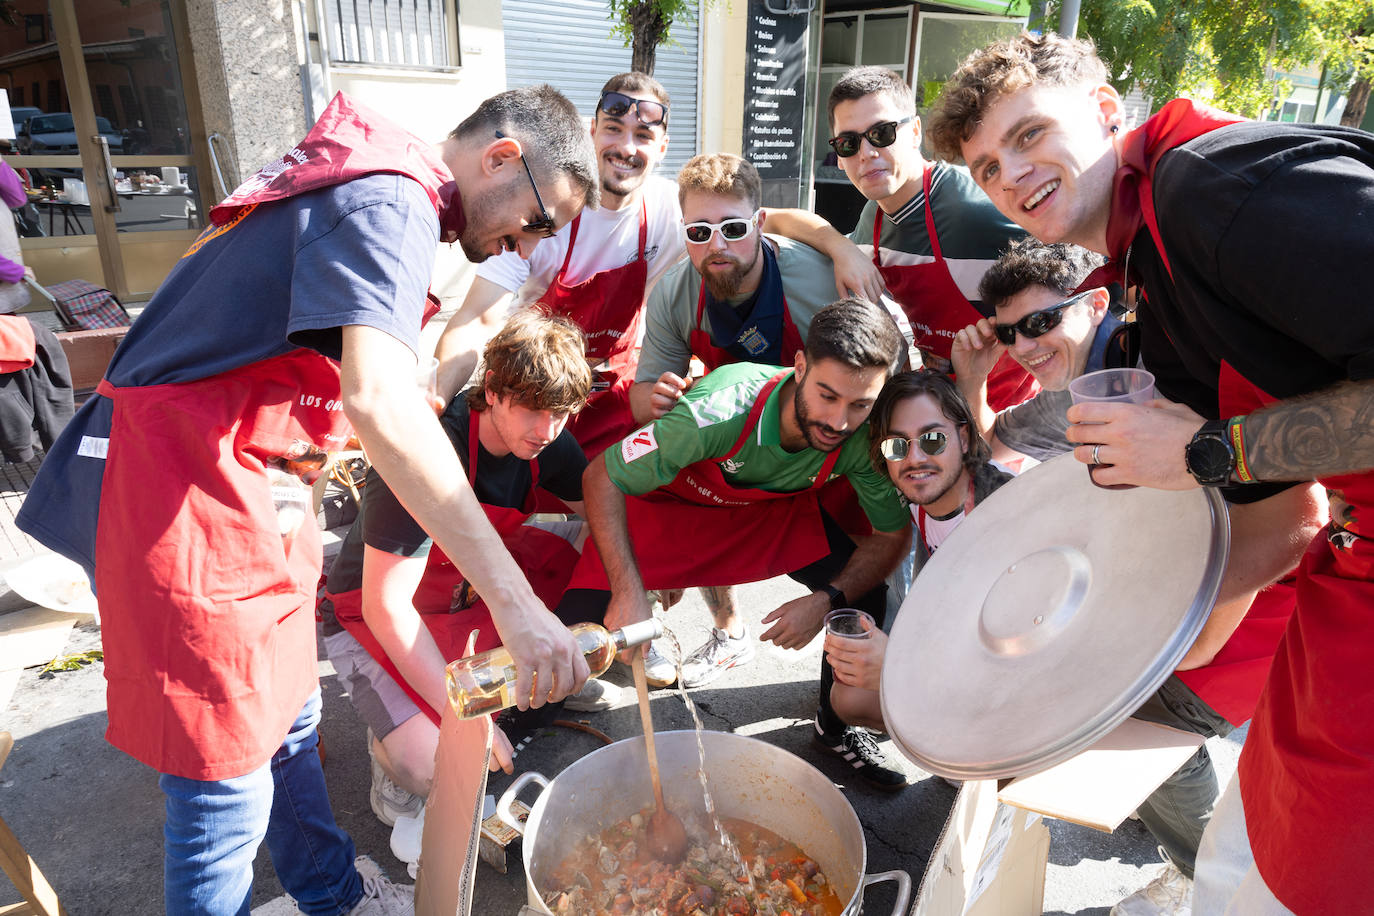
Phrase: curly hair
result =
(539, 361)
(1030, 262)
(721, 173)
(912, 384)
(1002, 67)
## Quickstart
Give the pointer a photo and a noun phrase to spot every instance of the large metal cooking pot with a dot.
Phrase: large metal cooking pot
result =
(749, 779)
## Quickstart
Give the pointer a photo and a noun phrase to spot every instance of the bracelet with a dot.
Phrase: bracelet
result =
(1236, 430)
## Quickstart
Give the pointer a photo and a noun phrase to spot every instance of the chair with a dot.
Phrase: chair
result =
(90, 323)
(40, 899)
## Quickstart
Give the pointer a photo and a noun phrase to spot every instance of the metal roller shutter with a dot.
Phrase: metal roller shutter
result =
(569, 45)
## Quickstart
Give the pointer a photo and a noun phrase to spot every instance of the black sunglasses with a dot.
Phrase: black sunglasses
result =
(649, 113)
(882, 134)
(895, 448)
(544, 225)
(1038, 323)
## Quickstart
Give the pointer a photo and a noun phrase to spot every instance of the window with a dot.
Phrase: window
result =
(17, 95)
(396, 33)
(104, 102)
(55, 102)
(872, 37)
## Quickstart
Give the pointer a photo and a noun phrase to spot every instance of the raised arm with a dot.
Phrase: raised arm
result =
(855, 274)
(481, 315)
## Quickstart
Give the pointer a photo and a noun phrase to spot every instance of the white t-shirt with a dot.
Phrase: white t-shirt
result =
(606, 239)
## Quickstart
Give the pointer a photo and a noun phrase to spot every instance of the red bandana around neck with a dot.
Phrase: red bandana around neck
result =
(1132, 193)
(347, 142)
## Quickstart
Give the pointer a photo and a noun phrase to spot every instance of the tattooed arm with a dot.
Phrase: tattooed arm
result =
(1316, 435)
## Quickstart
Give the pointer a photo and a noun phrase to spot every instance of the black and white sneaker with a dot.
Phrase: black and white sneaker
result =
(860, 750)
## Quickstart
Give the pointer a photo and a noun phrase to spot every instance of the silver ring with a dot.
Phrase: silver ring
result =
(1096, 459)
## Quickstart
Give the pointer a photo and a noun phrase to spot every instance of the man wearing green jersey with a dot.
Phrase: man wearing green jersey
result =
(738, 464)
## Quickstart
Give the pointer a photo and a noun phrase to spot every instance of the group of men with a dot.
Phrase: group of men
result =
(803, 428)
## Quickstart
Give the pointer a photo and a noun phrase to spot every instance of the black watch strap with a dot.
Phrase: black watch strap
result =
(837, 597)
(1210, 457)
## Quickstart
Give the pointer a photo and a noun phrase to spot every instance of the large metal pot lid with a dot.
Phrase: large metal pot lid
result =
(1047, 617)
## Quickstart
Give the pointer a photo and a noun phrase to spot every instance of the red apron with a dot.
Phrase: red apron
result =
(713, 357)
(1307, 768)
(209, 639)
(938, 309)
(546, 559)
(609, 307)
(838, 498)
(205, 607)
(1232, 681)
(700, 530)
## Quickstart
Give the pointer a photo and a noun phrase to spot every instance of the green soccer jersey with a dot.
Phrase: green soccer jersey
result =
(706, 423)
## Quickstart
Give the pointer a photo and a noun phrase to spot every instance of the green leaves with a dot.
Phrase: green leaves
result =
(73, 662)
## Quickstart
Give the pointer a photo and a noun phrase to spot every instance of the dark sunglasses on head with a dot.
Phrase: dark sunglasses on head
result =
(732, 230)
(543, 226)
(649, 112)
(1038, 323)
(882, 134)
(895, 448)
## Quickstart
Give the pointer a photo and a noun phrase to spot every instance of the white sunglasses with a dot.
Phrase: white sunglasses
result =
(732, 230)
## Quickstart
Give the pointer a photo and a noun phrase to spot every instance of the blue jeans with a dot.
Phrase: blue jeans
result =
(214, 827)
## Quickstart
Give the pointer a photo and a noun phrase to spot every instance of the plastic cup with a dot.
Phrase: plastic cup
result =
(1112, 386)
(849, 623)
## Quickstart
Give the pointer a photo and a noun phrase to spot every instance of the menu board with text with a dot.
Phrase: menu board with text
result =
(775, 94)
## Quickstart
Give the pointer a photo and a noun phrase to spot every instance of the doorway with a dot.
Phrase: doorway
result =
(107, 139)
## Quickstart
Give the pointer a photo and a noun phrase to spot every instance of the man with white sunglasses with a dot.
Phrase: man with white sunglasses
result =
(741, 296)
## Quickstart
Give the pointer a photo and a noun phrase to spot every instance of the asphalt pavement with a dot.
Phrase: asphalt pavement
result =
(91, 817)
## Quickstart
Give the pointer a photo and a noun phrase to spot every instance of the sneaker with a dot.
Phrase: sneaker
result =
(860, 749)
(719, 654)
(659, 671)
(1171, 893)
(595, 696)
(381, 896)
(389, 801)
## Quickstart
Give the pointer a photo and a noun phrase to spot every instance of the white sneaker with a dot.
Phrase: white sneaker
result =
(389, 801)
(719, 654)
(596, 695)
(659, 670)
(381, 896)
(1169, 894)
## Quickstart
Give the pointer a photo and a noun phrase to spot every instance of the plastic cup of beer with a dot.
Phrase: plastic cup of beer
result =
(1112, 386)
(850, 623)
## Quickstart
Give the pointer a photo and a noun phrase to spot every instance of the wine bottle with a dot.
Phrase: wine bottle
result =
(485, 682)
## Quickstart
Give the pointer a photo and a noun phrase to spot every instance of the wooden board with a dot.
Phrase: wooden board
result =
(1100, 787)
(33, 636)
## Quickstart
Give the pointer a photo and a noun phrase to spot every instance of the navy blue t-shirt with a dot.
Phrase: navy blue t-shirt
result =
(290, 274)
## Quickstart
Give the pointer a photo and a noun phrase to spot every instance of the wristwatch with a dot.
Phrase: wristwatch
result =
(837, 598)
(1209, 456)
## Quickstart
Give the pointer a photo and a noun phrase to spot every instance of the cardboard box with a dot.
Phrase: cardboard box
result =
(991, 857)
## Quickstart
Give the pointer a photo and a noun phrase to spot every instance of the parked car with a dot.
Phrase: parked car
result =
(21, 114)
(56, 133)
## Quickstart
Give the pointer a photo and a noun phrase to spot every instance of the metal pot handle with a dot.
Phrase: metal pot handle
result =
(903, 887)
(503, 807)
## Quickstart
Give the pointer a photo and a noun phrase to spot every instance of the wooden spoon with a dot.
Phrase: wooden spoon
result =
(666, 837)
